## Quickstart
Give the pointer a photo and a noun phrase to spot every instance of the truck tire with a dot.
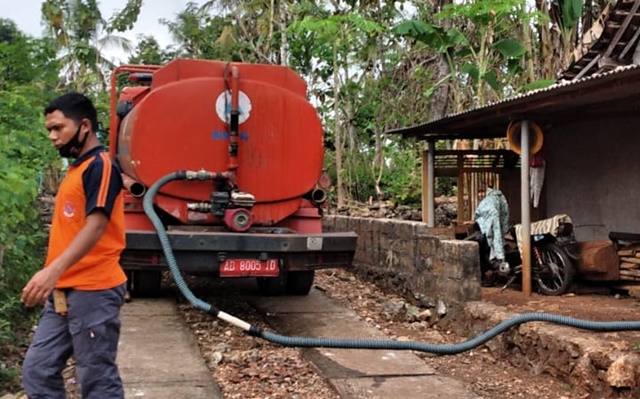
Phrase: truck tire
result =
(272, 286)
(300, 283)
(129, 275)
(296, 283)
(146, 283)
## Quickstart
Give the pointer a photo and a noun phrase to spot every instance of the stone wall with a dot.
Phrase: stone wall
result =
(606, 366)
(411, 259)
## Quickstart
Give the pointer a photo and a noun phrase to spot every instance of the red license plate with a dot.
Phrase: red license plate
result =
(249, 267)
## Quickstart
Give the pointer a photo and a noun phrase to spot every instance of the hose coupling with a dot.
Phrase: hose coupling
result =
(199, 175)
(203, 207)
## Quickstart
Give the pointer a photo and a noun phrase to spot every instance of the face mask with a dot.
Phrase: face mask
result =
(74, 146)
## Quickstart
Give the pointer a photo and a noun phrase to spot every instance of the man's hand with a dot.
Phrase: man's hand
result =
(39, 287)
(43, 282)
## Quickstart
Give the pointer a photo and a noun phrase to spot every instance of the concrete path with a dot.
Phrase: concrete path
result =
(357, 374)
(158, 356)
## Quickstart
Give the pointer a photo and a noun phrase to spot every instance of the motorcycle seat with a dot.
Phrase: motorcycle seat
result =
(551, 226)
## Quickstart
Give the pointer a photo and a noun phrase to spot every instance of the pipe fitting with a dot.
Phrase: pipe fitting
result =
(202, 207)
(318, 196)
(133, 186)
(199, 175)
(238, 219)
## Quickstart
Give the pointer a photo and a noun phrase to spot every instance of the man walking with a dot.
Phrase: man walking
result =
(82, 285)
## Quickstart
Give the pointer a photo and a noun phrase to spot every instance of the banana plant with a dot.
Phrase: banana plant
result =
(486, 59)
(568, 14)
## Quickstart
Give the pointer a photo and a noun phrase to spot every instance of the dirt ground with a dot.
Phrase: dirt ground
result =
(249, 368)
(606, 306)
(489, 377)
(252, 369)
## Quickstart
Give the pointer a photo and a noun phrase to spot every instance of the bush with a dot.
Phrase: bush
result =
(404, 178)
(22, 241)
(28, 76)
(24, 153)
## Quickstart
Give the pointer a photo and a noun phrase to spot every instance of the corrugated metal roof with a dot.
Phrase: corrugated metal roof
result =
(609, 43)
(592, 96)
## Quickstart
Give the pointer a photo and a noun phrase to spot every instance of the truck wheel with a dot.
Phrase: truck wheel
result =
(272, 286)
(129, 293)
(146, 283)
(300, 283)
(129, 275)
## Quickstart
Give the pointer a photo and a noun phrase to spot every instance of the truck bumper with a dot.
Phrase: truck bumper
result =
(201, 252)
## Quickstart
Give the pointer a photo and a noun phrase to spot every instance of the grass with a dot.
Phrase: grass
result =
(13, 344)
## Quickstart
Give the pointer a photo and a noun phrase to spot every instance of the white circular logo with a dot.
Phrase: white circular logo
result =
(223, 106)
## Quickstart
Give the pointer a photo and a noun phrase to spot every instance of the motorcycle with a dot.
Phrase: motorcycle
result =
(552, 270)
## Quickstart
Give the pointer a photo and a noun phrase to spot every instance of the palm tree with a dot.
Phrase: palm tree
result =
(258, 27)
(82, 36)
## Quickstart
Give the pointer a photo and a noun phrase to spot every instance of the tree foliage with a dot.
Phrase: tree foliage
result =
(28, 74)
(81, 36)
(149, 52)
(374, 65)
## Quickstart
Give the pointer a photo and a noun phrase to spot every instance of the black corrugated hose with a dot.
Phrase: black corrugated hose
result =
(449, 349)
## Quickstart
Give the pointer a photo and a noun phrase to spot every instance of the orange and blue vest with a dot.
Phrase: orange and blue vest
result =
(92, 184)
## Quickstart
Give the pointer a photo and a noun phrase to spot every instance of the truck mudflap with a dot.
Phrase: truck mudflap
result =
(203, 252)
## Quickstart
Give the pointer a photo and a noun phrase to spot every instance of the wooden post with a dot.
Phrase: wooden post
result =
(425, 186)
(428, 184)
(524, 202)
(461, 188)
(431, 184)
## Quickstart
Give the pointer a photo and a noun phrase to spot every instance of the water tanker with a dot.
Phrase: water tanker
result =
(232, 155)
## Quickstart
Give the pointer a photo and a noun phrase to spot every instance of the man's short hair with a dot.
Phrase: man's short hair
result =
(75, 106)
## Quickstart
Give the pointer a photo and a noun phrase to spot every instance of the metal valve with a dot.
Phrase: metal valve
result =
(238, 219)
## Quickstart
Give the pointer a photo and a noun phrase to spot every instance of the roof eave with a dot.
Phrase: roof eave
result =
(544, 104)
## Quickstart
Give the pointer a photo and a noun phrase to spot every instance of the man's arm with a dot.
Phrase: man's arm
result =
(43, 282)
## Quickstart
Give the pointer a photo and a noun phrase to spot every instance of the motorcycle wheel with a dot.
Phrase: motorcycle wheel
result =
(555, 275)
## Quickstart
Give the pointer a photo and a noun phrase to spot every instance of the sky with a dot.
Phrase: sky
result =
(26, 15)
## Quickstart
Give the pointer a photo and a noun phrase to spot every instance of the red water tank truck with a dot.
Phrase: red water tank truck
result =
(251, 130)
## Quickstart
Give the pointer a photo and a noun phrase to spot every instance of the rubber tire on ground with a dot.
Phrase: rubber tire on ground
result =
(300, 282)
(296, 283)
(129, 275)
(272, 286)
(146, 283)
(567, 272)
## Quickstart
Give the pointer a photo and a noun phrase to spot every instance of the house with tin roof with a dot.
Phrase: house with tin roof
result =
(590, 125)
